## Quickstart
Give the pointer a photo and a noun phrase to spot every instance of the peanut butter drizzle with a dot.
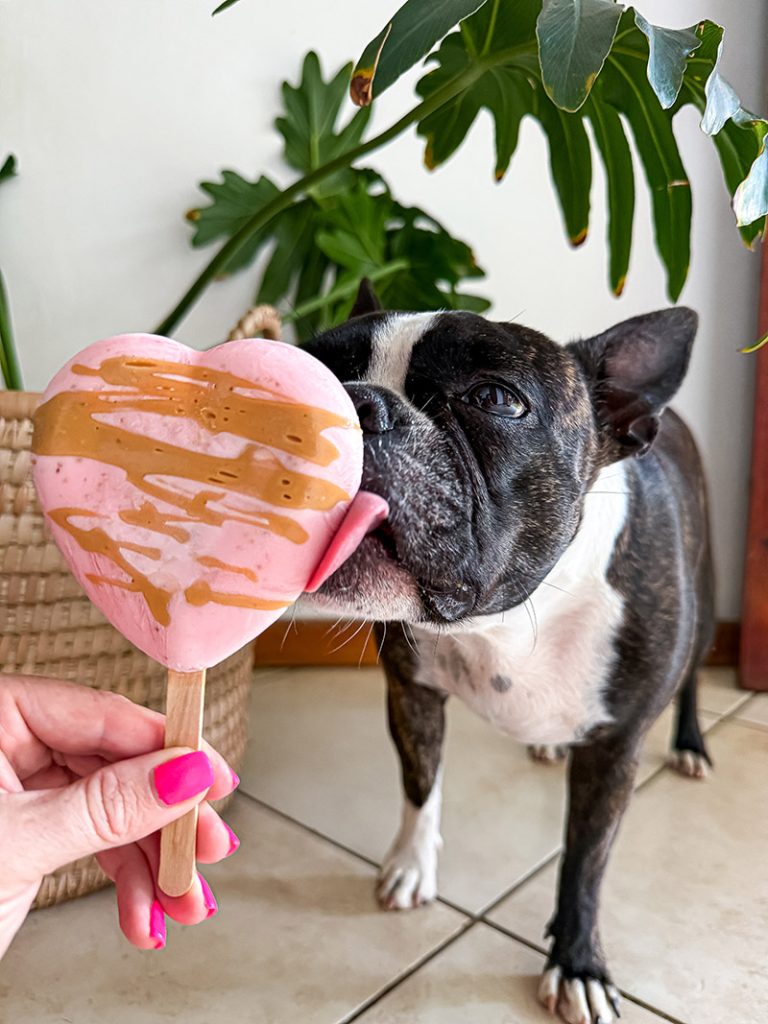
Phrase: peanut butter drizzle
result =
(200, 593)
(98, 542)
(148, 517)
(215, 563)
(209, 398)
(67, 426)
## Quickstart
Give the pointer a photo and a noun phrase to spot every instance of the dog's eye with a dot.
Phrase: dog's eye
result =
(497, 400)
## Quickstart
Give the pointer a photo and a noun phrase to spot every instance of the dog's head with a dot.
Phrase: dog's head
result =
(484, 438)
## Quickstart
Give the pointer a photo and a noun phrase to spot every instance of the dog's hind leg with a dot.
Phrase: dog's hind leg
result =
(408, 876)
(689, 753)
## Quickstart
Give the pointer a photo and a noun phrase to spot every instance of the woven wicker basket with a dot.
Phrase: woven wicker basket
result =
(49, 627)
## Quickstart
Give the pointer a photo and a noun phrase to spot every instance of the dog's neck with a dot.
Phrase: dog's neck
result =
(584, 561)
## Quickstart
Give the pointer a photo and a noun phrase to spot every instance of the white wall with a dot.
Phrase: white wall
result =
(116, 108)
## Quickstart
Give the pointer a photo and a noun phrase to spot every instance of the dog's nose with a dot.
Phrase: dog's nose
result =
(372, 409)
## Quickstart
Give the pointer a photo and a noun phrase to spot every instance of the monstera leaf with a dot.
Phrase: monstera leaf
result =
(346, 227)
(311, 112)
(566, 62)
(403, 41)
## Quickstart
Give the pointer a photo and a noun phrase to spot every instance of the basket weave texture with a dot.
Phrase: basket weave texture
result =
(48, 627)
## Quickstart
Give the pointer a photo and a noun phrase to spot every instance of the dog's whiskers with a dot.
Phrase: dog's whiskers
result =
(349, 639)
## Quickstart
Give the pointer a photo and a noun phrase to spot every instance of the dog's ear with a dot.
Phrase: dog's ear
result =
(634, 370)
(366, 301)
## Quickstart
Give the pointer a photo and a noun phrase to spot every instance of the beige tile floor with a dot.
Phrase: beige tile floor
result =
(299, 940)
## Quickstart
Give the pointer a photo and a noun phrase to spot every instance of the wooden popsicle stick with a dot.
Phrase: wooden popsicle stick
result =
(183, 728)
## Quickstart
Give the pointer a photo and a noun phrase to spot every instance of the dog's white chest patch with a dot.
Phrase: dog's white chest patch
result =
(538, 671)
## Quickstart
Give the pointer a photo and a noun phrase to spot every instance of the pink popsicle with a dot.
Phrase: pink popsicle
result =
(195, 494)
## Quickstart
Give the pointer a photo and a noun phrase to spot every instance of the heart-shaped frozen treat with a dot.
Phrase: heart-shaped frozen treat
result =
(195, 494)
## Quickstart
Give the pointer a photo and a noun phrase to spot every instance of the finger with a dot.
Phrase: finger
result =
(194, 906)
(9, 780)
(77, 720)
(112, 807)
(215, 839)
(141, 917)
(49, 778)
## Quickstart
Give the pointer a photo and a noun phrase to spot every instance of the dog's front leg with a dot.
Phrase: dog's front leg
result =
(408, 875)
(576, 981)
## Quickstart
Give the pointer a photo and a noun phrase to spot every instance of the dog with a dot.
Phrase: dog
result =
(546, 559)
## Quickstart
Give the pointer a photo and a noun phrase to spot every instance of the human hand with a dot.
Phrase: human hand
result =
(83, 771)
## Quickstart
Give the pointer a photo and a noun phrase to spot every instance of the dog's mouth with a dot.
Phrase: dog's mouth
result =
(385, 536)
(364, 515)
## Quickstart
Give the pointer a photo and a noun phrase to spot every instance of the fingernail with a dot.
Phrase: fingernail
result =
(208, 898)
(234, 842)
(157, 925)
(235, 779)
(183, 777)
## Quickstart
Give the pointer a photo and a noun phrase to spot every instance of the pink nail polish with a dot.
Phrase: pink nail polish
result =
(208, 898)
(234, 842)
(235, 779)
(157, 925)
(183, 777)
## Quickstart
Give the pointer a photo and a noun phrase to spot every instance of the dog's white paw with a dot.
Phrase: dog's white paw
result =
(577, 1000)
(408, 877)
(547, 753)
(689, 763)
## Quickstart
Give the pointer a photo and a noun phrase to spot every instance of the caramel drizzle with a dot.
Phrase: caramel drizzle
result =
(215, 563)
(67, 426)
(210, 398)
(98, 542)
(200, 593)
(148, 517)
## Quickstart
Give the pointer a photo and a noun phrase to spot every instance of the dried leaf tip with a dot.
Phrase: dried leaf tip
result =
(361, 88)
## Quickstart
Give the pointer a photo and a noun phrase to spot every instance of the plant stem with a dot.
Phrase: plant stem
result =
(219, 262)
(343, 291)
(9, 361)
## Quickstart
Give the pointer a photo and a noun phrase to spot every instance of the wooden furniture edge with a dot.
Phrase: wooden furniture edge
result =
(753, 661)
(318, 643)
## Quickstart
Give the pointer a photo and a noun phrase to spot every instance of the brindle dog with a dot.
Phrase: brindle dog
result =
(548, 529)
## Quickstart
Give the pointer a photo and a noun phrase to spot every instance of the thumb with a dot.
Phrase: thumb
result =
(114, 806)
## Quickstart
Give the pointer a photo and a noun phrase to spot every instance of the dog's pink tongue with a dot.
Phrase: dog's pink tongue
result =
(363, 515)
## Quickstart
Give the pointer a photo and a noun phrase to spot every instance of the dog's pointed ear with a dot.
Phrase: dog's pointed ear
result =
(366, 301)
(634, 369)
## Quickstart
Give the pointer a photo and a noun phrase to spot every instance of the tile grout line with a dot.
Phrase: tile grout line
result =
(508, 933)
(409, 972)
(468, 914)
(307, 828)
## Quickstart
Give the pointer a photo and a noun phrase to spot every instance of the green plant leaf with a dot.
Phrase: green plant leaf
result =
(223, 7)
(739, 141)
(233, 202)
(575, 37)
(625, 86)
(748, 349)
(616, 155)
(491, 55)
(750, 201)
(323, 243)
(669, 50)
(293, 236)
(409, 36)
(311, 112)
(9, 168)
(570, 160)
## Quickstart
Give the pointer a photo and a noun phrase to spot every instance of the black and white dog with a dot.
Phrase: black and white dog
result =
(548, 524)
